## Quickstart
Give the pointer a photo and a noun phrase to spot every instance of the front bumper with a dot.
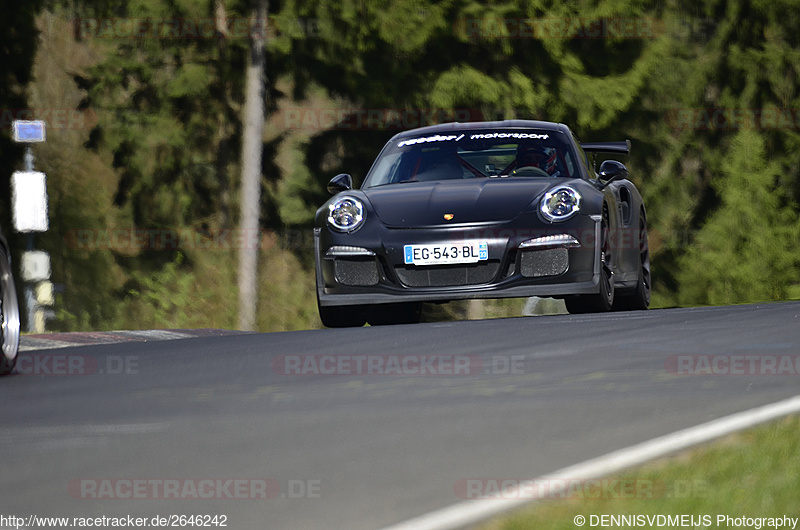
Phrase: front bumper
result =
(367, 267)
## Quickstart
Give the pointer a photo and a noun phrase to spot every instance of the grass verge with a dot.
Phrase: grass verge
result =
(751, 474)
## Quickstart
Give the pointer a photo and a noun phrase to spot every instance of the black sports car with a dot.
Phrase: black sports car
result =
(481, 210)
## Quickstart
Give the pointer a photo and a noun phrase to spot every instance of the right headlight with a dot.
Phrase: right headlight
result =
(560, 203)
(346, 214)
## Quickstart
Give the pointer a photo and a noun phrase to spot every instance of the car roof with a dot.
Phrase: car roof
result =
(484, 125)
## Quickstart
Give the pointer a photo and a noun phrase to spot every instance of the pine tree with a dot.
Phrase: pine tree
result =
(746, 251)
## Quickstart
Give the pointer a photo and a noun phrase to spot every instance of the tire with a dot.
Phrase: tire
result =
(9, 317)
(603, 300)
(639, 300)
(388, 314)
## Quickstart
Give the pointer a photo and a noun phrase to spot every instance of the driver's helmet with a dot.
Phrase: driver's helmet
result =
(541, 157)
(438, 164)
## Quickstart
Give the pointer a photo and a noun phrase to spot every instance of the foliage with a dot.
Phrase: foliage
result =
(750, 255)
(707, 91)
(17, 49)
(168, 110)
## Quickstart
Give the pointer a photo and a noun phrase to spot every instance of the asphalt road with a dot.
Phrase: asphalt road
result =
(118, 428)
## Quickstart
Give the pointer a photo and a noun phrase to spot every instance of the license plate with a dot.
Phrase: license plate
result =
(446, 253)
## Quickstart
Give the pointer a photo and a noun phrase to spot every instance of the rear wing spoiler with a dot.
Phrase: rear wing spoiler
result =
(607, 147)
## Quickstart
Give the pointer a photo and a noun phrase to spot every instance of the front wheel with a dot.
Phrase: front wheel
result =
(9, 317)
(604, 299)
(639, 299)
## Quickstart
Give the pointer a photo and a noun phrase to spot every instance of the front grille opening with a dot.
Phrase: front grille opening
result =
(448, 275)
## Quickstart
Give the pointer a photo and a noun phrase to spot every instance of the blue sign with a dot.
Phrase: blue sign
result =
(29, 131)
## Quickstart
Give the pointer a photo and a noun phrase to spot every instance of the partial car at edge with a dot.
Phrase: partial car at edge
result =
(9, 312)
(481, 210)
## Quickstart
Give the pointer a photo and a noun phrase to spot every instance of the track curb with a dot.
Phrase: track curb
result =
(50, 341)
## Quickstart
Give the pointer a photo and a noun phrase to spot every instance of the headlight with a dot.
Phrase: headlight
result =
(345, 214)
(560, 203)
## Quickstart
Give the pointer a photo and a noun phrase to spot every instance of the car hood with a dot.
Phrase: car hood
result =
(416, 204)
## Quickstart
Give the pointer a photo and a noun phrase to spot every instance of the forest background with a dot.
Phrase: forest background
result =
(144, 102)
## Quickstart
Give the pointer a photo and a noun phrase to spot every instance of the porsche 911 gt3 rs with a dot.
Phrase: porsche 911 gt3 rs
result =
(481, 210)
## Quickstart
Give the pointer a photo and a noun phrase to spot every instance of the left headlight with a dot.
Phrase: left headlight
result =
(560, 203)
(346, 214)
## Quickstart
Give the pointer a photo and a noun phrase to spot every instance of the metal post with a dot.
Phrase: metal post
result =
(30, 296)
(30, 292)
(30, 216)
(28, 158)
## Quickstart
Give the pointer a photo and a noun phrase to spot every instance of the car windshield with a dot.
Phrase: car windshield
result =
(474, 154)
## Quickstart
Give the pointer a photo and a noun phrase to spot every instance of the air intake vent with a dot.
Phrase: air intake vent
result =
(356, 271)
(538, 263)
(448, 275)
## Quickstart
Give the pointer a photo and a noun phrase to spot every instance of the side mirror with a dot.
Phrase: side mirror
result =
(611, 170)
(339, 183)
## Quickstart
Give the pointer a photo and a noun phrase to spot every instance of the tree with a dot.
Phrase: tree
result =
(746, 250)
(168, 100)
(172, 115)
(18, 43)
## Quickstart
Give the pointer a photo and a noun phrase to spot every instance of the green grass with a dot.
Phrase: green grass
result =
(755, 473)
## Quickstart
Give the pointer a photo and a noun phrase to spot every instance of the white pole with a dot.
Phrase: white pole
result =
(252, 147)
